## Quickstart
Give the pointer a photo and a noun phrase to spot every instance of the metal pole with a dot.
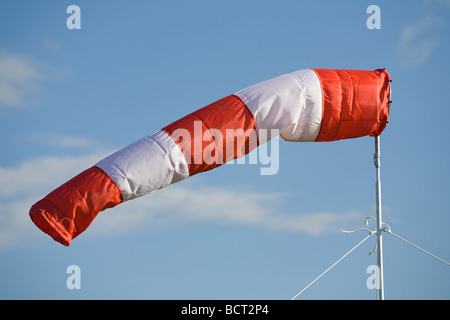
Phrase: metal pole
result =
(380, 284)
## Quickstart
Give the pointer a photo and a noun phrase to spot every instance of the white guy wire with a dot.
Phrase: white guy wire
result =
(367, 237)
(417, 247)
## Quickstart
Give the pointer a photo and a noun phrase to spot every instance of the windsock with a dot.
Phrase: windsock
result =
(306, 105)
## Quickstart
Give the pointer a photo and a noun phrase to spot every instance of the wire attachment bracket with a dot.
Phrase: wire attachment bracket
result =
(371, 232)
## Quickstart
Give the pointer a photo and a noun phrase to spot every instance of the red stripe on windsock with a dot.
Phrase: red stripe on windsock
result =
(215, 134)
(355, 103)
(69, 210)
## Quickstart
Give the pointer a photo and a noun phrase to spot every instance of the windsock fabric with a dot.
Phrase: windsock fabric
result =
(306, 105)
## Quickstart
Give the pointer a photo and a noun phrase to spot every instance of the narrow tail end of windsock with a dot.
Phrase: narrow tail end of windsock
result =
(41, 214)
(68, 210)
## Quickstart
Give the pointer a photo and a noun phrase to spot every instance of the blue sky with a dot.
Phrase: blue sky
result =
(68, 98)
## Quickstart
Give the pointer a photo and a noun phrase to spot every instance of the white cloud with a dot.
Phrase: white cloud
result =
(416, 45)
(70, 142)
(64, 141)
(15, 227)
(20, 77)
(41, 174)
(179, 204)
(23, 185)
(26, 183)
(52, 45)
(432, 2)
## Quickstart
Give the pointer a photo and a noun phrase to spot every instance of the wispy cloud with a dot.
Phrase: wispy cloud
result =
(416, 43)
(52, 45)
(40, 174)
(62, 140)
(432, 2)
(26, 183)
(178, 204)
(20, 78)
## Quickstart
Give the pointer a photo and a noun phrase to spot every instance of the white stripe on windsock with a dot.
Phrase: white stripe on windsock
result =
(149, 164)
(291, 103)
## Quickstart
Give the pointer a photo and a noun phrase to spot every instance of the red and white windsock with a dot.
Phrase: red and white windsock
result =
(306, 105)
